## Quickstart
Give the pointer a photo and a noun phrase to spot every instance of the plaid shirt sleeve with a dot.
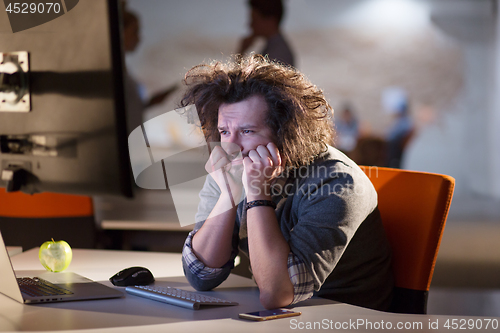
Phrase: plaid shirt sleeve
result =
(301, 279)
(303, 284)
(195, 265)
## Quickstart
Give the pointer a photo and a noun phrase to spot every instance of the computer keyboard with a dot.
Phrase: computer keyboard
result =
(40, 287)
(175, 296)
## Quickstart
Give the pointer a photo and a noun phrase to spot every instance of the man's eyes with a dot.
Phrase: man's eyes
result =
(222, 132)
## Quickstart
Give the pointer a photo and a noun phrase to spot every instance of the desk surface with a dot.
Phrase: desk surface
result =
(127, 314)
(13, 250)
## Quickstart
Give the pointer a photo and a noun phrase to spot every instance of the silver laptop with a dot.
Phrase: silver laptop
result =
(34, 287)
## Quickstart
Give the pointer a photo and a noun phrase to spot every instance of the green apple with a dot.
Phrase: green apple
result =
(55, 256)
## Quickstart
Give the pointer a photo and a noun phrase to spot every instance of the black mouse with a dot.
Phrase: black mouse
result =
(132, 276)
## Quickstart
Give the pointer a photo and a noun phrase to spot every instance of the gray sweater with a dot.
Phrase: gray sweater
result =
(328, 215)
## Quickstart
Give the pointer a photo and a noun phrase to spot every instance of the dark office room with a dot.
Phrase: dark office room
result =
(100, 149)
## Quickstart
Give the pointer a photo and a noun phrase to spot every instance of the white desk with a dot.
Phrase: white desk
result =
(13, 250)
(133, 314)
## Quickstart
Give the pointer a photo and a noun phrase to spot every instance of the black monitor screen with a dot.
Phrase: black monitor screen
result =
(62, 110)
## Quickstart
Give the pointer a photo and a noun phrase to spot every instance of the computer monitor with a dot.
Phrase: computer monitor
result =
(62, 104)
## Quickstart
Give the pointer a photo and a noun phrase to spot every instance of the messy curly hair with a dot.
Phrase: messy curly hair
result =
(298, 112)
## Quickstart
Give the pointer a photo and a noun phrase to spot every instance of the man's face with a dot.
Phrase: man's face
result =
(243, 124)
(260, 24)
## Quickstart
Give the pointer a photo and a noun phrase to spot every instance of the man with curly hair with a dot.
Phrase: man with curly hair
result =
(308, 217)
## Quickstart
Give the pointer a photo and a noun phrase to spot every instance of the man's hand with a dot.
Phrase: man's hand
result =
(262, 165)
(226, 168)
(267, 247)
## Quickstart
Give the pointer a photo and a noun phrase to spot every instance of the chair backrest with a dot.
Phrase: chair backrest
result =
(29, 220)
(414, 207)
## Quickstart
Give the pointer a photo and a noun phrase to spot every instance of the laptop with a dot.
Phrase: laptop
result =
(30, 287)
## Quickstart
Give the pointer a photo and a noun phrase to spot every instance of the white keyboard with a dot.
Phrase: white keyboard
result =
(175, 296)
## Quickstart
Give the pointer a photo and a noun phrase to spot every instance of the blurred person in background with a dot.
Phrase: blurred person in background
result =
(395, 101)
(265, 19)
(135, 93)
(347, 130)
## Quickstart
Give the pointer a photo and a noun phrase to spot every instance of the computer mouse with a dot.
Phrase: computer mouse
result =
(132, 276)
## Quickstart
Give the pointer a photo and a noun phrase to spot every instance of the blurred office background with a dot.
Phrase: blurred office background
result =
(443, 54)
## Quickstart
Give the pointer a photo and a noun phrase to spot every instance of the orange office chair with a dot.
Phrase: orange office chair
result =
(414, 206)
(29, 220)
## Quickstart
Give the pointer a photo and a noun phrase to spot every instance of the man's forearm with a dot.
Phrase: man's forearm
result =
(212, 244)
(268, 256)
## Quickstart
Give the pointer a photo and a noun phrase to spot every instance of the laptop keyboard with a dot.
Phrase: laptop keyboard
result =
(175, 296)
(39, 287)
